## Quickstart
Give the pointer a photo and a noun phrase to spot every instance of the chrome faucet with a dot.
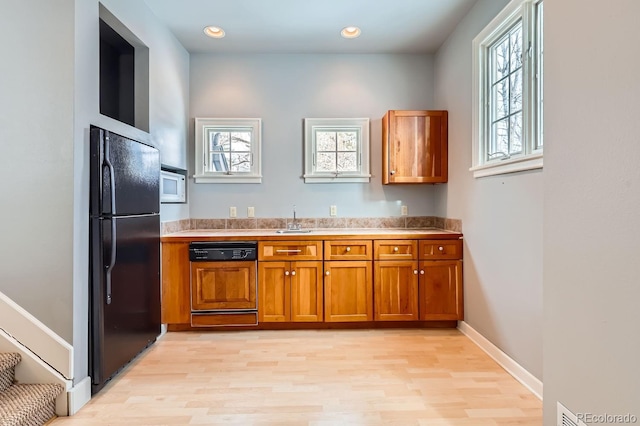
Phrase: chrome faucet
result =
(294, 225)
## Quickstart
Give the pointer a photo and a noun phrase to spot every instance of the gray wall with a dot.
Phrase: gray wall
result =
(283, 90)
(37, 159)
(49, 98)
(501, 216)
(591, 203)
(168, 117)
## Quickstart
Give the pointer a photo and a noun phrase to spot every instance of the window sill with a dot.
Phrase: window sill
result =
(336, 179)
(530, 162)
(227, 179)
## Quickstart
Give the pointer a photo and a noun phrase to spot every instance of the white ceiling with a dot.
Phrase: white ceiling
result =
(312, 26)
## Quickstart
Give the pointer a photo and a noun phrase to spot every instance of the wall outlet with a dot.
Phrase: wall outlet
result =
(233, 212)
(251, 212)
(333, 211)
(404, 210)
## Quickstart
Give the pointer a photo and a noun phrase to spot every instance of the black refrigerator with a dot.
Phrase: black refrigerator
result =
(124, 270)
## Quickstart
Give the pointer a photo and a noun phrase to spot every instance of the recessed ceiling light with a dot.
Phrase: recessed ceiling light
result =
(350, 32)
(215, 32)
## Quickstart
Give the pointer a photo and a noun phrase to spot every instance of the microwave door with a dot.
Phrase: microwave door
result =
(172, 187)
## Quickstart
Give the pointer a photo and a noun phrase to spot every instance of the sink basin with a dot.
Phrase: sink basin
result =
(293, 231)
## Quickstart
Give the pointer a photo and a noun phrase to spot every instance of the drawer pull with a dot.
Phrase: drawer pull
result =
(348, 249)
(395, 249)
(421, 272)
(293, 273)
(441, 248)
(289, 251)
(326, 273)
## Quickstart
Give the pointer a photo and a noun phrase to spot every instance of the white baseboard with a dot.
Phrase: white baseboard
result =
(79, 395)
(527, 379)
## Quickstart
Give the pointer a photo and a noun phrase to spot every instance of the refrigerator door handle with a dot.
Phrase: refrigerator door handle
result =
(112, 175)
(112, 261)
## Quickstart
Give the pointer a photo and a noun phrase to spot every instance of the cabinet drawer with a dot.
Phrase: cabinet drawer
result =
(440, 249)
(395, 249)
(224, 319)
(347, 250)
(290, 250)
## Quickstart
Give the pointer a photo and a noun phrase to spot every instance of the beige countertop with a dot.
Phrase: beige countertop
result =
(315, 234)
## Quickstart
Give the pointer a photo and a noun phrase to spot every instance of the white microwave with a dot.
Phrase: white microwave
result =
(172, 187)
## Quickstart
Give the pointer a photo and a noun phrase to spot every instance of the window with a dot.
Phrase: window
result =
(336, 150)
(228, 150)
(507, 117)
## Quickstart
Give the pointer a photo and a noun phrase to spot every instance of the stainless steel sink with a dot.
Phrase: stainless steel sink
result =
(293, 231)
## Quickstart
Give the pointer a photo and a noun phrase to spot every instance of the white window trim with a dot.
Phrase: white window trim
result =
(202, 176)
(531, 158)
(362, 125)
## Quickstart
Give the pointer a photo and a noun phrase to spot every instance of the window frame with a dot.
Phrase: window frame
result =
(360, 125)
(532, 155)
(202, 127)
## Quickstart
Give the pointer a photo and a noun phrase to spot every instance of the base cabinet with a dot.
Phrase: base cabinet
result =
(290, 291)
(348, 291)
(337, 280)
(395, 287)
(440, 290)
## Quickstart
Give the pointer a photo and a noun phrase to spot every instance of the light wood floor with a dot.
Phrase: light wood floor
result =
(313, 377)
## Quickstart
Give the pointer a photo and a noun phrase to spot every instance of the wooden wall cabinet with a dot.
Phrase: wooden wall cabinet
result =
(414, 147)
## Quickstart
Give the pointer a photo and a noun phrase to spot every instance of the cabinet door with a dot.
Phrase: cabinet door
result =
(415, 147)
(348, 293)
(273, 282)
(395, 286)
(176, 298)
(440, 290)
(306, 291)
(223, 285)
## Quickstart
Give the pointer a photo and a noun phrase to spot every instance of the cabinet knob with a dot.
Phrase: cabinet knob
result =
(293, 273)
(395, 249)
(286, 273)
(393, 172)
(421, 272)
(348, 249)
(441, 248)
(326, 273)
(415, 272)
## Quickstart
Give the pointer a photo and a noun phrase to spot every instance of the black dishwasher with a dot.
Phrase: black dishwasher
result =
(223, 283)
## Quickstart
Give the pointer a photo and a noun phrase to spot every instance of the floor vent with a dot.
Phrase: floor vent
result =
(567, 418)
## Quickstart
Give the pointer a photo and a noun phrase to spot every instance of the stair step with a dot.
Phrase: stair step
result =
(28, 404)
(8, 362)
